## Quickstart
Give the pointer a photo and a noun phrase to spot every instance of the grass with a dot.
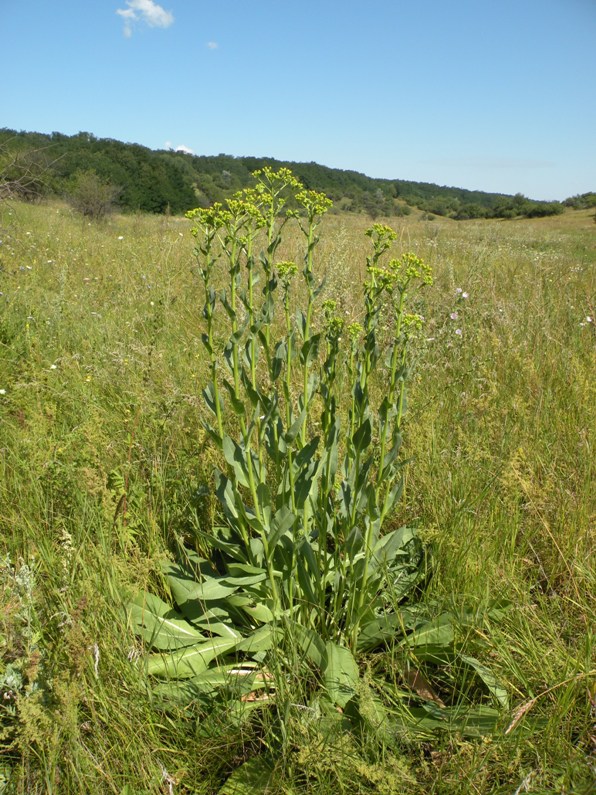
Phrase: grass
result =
(103, 458)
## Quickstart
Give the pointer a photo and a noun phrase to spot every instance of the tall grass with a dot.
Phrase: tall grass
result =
(103, 456)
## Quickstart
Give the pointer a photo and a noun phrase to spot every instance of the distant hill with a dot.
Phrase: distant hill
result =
(34, 165)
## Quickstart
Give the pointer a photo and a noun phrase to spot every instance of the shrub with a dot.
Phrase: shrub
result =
(91, 195)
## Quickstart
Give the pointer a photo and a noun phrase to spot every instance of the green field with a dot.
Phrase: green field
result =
(106, 474)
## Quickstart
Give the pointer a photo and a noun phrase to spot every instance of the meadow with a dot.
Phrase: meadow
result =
(106, 477)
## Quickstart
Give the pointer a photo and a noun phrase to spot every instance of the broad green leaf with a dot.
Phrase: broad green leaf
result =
(225, 494)
(278, 360)
(237, 404)
(330, 454)
(308, 572)
(438, 632)
(238, 678)
(261, 639)
(235, 456)
(311, 644)
(254, 777)
(310, 349)
(384, 628)
(306, 454)
(392, 496)
(390, 546)
(283, 521)
(391, 456)
(425, 721)
(362, 437)
(159, 625)
(249, 579)
(499, 608)
(241, 676)
(190, 661)
(223, 297)
(203, 614)
(221, 629)
(303, 486)
(490, 680)
(184, 588)
(292, 432)
(254, 610)
(238, 570)
(340, 673)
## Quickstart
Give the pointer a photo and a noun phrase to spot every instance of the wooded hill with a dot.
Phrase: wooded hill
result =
(34, 165)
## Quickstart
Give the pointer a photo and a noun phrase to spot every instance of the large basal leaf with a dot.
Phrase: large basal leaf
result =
(244, 574)
(252, 778)
(340, 674)
(311, 644)
(388, 627)
(391, 548)
(261, 639)
(239, 680)
(190, 661)
(255, 610)
(436, 633)
(186, 588)
(493, 685)
(159, 625)
(221, 629)
(248, 579)
(469, 721)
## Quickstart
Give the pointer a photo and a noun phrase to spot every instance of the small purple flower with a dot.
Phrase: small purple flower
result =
(454, 316)
(459, 332)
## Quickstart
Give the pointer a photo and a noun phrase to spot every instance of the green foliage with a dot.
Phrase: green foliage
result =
(303, 566)
(92, 196)
(103, 465)
(583, 201)
(165, 180)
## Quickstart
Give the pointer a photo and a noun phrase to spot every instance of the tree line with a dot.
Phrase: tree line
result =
(82, 167)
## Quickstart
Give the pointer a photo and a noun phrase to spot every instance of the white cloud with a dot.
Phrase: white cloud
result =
(212, 45)
(145, 11)
(180, 148)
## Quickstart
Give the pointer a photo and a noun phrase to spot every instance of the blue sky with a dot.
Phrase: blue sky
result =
(496, 95)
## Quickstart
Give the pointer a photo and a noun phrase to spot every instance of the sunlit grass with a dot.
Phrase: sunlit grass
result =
(102, 452)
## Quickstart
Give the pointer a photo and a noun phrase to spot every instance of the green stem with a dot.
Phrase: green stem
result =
(308, 276)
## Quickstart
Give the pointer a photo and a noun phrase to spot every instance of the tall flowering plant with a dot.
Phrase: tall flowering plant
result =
(307, 415)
